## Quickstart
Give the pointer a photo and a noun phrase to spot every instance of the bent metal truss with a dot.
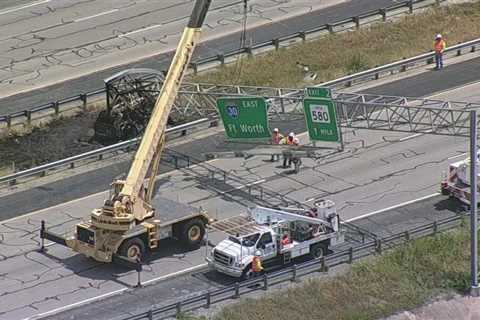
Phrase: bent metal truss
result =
(356, 110)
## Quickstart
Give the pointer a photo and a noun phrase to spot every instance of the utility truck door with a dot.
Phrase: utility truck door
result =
(267, 246)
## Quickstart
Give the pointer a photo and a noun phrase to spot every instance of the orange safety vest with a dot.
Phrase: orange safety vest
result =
(292, 142)
(439, 46)
(256, 264)
(276, 138)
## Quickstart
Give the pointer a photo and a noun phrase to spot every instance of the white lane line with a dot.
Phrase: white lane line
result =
(457, 156)
(95, 15)
(85, 197)
(393, 207)
(24, 7)
(197, 267)
(139, 30)
(109, 294)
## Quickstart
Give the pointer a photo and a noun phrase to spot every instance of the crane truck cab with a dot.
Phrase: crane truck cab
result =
(262, 229)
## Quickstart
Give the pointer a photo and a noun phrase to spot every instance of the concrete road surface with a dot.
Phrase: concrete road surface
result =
(377, 171)
(49, 41)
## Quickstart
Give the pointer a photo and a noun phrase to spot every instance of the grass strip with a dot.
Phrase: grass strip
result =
(340, 54)
(403, 278)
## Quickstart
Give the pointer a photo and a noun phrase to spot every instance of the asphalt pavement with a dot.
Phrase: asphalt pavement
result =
(225, 40)
(81, 185)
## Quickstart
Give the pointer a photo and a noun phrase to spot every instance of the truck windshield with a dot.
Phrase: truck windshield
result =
(248, 241)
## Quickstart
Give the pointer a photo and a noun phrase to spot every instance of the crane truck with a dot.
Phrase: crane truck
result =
(262, 229)
(129, 223)
(456, 181)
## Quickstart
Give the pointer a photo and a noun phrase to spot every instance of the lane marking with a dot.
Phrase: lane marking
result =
(198, 267)
(95, 15)
(457, 156)
(115, 292)
(86, 197)
(139, 30)
(24, 7)
(393, 207)
(449, 90)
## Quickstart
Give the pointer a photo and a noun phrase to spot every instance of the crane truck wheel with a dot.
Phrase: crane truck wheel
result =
(131, 248)
(192, 233)
(317, 251)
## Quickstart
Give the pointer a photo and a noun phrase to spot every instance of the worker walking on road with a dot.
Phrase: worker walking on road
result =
(257, 267)
(439, 46)
(291, 140)
(276, 139)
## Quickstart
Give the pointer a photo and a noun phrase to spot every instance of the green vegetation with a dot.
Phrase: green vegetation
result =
(403, 278)
(340, 54)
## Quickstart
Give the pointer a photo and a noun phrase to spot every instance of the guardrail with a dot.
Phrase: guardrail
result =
(81, 102)
(99, 154)
(294, 272)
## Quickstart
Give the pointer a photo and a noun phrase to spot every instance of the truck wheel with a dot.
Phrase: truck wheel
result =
(193, 232)
(445, 192)
(317, 251)
(131, 248)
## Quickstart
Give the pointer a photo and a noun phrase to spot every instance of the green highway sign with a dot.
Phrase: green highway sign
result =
(321, 119)
(244, 118)
(318, 92)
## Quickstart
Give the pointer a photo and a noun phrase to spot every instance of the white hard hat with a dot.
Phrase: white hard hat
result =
(258, 253)
(438, 36)
(275, 130)
(291, 134)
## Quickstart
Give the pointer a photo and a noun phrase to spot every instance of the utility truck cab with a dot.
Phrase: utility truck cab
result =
(309, 232)
(456, 181)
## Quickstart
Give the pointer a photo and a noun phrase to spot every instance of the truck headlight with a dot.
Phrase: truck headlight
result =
(238, 264)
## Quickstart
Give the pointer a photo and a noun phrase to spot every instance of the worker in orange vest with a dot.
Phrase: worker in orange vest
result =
(257, 267)
(290, 140)
(276, 138)
(439, 46)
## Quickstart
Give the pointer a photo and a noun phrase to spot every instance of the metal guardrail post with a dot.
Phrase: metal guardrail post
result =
(324, 266)
(407, 236)
(83, 98)
(224, 177)
(55, 106)
(249, 51)
(178, 308)
(473, 49)
(150, 314)
(383, 13)
(356, 20)
(350, 255)
(265, 282)
(208, 299)
(175, 162)
(329, 27)
(302, 35)
(435, 227)
(28, 114)
(294, 273)
(9, 122)
(410, 6)
(404, 67)
(378, 246)
(221, 58)
(42, 236)
(276, 43)
(237, 290)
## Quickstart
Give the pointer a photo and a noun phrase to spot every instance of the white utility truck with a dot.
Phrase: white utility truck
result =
(456, 181)
(310, 232)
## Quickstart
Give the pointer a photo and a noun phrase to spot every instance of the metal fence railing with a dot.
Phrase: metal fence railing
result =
(101, 153)
(296, 271)
(81, 101)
